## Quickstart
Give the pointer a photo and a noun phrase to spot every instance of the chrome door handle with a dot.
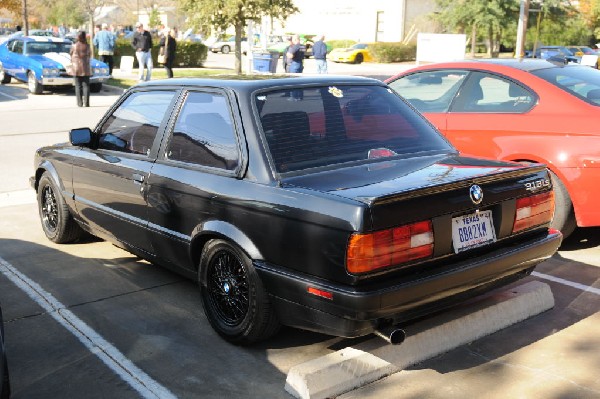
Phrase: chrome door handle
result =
(137, 178)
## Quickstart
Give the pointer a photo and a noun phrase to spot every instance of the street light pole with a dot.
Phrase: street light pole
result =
(522, 29)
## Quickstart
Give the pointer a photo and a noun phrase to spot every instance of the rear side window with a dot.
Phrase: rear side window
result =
(580, 81)
(204, 133)
(323, 126)
(133, 126)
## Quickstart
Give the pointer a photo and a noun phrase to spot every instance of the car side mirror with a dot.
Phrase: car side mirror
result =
(81, 136)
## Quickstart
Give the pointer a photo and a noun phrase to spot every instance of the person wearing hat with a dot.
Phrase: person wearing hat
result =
(142, 43)
(104, 41)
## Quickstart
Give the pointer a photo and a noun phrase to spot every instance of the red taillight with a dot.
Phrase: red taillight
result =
(534, 211)
(369, 252)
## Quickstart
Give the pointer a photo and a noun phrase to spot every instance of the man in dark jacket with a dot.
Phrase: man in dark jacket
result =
(295, 55)
(142, 43)
(320, 54)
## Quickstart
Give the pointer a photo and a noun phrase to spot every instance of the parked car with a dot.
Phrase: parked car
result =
(520, 110)
(33, 32)
(277, 43)
(42, 63)
(557, 53)
(353, 55)
(323, 203)
(4, 378)
(226, 46)
(582, 50)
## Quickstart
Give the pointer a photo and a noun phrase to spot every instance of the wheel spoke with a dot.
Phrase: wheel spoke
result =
(49, 208)
(228, 288)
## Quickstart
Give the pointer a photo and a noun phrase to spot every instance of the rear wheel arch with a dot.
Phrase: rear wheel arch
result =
(218, 229)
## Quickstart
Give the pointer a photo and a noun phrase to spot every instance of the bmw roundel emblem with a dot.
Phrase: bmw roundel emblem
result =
(476, 194)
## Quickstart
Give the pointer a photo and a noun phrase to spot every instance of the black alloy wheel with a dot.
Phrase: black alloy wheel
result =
(57, 222)
(228, 289)
(234, 300)
(49, 209)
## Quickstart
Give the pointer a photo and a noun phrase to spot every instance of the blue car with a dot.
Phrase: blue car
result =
(42, 63)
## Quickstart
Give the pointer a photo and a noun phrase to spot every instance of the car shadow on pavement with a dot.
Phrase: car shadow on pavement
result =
(582, 238)
(152, 316)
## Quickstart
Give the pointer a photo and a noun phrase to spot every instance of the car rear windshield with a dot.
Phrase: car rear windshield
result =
(581, 81)
(322, 126)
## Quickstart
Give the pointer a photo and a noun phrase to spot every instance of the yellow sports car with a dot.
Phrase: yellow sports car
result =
(354, 55)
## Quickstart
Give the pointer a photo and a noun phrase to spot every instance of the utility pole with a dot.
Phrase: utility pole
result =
(522, 29)
(25, 18)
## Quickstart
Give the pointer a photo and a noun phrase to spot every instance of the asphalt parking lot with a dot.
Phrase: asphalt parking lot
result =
(90, 320)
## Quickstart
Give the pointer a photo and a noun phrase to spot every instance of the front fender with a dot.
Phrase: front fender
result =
(46, 166)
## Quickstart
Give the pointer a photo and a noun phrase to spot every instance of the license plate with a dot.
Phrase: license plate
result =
(473, 230)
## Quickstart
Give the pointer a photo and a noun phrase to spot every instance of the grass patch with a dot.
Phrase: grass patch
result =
(160, 73)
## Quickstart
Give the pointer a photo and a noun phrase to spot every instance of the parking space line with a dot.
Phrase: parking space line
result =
(9, 96)
(572, 284)
(107, 353)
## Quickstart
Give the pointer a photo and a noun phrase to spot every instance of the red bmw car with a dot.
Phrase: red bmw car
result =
(520, 110)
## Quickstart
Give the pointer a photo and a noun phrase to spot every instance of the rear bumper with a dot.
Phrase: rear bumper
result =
(355, 312)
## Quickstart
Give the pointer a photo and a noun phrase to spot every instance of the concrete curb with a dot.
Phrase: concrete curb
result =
(348, 369)
(336, 373)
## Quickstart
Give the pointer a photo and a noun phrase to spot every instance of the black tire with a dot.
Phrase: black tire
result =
(235, 302)
(225, 49)
(56, 218)
(4, 78)
(359, 58)
(34, 86)
(564, 214)
(95, 87)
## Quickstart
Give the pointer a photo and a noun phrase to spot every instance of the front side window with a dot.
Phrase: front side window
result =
(324, 126)
(17, 47)
(133, 126)
(204, 133)
(489, 93)
(430, 91)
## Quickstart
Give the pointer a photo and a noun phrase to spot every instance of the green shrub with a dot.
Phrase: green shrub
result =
(392, 52)
(340, 43)
(188, 54)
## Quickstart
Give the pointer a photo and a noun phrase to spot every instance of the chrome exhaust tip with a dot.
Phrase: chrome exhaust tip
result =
(392, 335)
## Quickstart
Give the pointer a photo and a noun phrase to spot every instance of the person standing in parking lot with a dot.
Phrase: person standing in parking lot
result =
(320, 54)
(284, 59)
(81, 69)
(142, 43)
(295, 55)
(104, 41)
(168, 47)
